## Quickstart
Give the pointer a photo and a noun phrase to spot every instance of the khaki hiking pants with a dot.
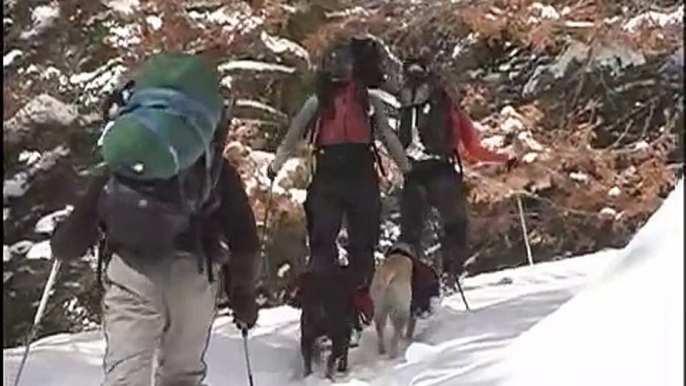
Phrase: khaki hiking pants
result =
(157, 314)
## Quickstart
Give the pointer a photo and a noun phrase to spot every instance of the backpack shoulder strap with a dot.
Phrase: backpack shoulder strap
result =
(372, 124)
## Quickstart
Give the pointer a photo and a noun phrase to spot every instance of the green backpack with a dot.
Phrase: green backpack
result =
(163, 152)
(169, 121)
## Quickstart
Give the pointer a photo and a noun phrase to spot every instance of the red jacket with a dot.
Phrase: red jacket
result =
(469, 143)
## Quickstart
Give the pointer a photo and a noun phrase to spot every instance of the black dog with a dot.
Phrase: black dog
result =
(327, 311)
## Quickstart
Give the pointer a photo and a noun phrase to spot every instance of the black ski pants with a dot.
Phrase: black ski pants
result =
(350, 190)
(436, 184)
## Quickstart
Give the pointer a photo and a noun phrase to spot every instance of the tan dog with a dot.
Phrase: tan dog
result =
(391, 292)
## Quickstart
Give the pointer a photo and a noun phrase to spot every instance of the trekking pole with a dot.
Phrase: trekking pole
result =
(459, 288)
(39, 315)
(265, 232)
(244, 332)
(524, 231)
(457, 278)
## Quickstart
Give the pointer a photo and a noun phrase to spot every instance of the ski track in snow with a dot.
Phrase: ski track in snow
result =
(523, 329)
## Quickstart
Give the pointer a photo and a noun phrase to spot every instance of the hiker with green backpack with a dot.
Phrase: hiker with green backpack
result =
(163, 209)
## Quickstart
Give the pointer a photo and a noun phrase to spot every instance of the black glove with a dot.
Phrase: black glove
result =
(271, 174)
(244, 306)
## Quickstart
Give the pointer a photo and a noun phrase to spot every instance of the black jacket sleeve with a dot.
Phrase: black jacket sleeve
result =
(79, 231)
(240, 231)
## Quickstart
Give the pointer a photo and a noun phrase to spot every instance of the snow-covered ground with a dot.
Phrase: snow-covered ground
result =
(609, 318)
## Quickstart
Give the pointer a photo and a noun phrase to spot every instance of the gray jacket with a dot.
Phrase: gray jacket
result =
(300, 122)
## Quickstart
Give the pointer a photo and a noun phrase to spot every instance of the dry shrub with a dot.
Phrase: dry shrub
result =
(15, 94)
(612, 192)
(176, 32)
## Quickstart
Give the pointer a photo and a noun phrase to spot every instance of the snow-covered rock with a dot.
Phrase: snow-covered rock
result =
(616, 56)
(40, 250)
(42, 112)
(280, 45)
(42, 18)
(154, 21)
(21, 248)
(6, 253)
(252, 104)
(614, 192)
(29, 157)
(543, 11)
(10, 57)
(19, 183)
(608, 213)
(254, 65)
(100, 81)
(656, 19)
(46, 224)
(236, 17)
(122, 36)
(124, 7)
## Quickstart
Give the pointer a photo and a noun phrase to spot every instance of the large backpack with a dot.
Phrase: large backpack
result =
(428, 107)
(364, 53)
(366, 61)
(163, 151)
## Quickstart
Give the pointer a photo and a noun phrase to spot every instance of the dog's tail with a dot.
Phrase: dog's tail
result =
(380, 283)
(384, 294)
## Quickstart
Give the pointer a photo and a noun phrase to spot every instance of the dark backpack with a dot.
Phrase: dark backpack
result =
(368, 62)
(430, 112)
(152, 215)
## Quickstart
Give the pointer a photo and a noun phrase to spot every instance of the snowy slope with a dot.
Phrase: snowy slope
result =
(626, 328)
(625, 324)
